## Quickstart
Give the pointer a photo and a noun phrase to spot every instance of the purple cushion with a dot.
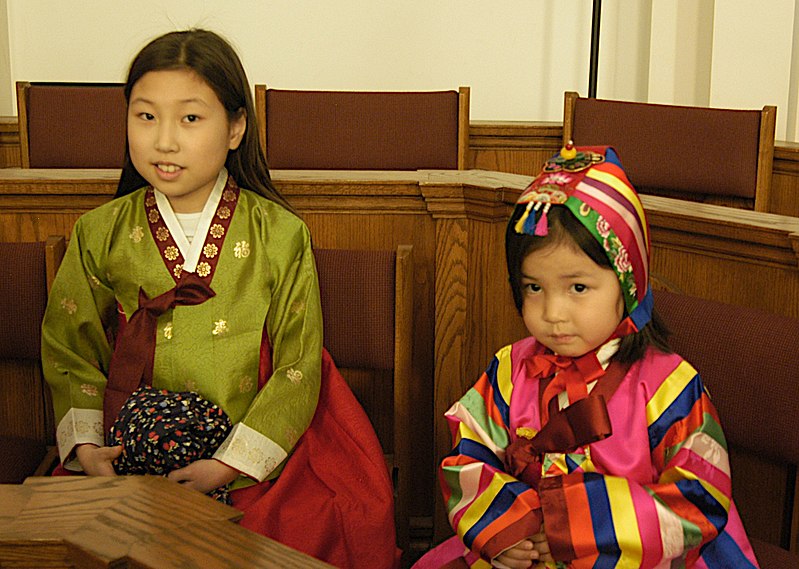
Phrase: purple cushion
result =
(358, 334)
(747, 358)
(770, 556)
(691, 150)
(23, 297)
(76, 126)
(21, 457)
(345, 130)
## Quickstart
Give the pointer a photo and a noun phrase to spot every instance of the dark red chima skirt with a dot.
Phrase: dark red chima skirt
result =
(334, 498)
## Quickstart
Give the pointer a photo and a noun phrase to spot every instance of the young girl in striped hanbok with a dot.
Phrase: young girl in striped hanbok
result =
(588, 443)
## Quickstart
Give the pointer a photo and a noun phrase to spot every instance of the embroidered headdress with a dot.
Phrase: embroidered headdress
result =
(592, 184)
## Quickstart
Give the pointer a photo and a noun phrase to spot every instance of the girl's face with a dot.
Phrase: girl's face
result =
(570, 304)
(179, 135)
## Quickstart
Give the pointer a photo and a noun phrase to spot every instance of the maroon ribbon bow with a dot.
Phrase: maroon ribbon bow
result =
(573, 375)
(132, 361)
(581, 423)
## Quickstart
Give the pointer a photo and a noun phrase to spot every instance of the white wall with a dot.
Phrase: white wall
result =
(681, 52)
(6, 98)
(511, 54)
(518, 56)
(752, 56)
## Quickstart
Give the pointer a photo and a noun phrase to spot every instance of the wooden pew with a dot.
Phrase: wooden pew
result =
(146, 522)
(455, 221)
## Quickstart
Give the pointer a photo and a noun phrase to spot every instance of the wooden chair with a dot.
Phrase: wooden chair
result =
(71, 125)
(27, 430)
(718, 156)
(363, 130)
(367, 306)
(749, 360)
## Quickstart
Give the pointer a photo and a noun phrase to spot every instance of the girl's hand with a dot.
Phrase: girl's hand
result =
(541, 545)
(520, 556)
(96, 461)
(204, 475)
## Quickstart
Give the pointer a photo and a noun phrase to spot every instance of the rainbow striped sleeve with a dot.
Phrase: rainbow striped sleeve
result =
(489, 509)
(603, 521)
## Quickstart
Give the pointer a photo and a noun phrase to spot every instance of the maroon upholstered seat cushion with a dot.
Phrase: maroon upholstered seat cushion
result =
(357, 292)
(76, 126)
(25, 417)
(675, 148)
(20, 457)
(770, 556)
(23, 297)
(346, 130)
(748, 361)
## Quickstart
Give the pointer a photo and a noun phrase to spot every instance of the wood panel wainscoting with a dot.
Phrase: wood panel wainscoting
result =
(513, 147)
(455, 221)
(784, 197)
(10, 156)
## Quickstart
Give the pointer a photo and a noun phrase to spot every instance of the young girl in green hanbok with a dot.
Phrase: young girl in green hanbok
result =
(184, 332)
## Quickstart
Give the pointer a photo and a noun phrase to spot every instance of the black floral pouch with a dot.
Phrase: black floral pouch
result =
(161, 431)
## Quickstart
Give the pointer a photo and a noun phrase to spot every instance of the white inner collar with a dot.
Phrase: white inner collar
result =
(191, 251)
(607, 351)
